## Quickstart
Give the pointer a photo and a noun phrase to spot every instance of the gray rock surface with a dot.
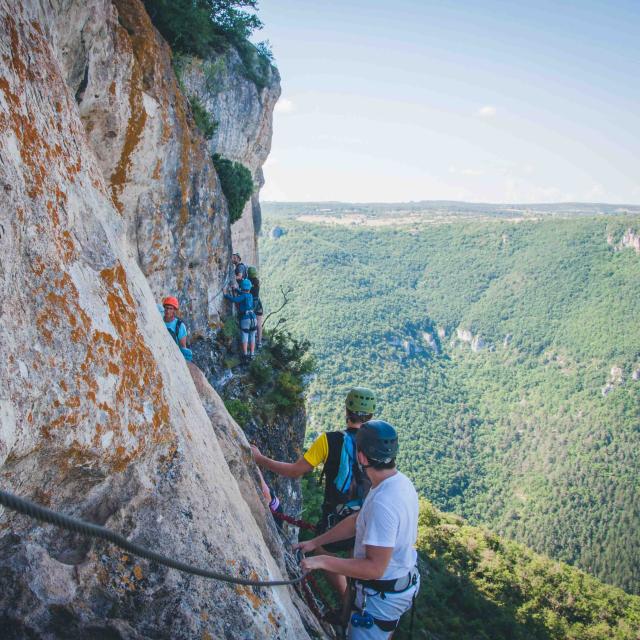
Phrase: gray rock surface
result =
(155, 163)
(109, 201)
(243, 112)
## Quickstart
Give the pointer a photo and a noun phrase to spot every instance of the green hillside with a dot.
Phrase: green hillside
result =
(477, 586)
(536, 434)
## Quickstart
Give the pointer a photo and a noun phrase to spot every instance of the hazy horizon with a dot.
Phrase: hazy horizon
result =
(478, 202)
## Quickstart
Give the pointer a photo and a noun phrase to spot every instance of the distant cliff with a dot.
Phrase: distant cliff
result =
(109, 201)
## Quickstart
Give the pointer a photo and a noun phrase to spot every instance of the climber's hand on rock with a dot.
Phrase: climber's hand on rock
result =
(256, 453)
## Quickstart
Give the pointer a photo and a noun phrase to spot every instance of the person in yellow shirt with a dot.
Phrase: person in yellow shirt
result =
(345, 485)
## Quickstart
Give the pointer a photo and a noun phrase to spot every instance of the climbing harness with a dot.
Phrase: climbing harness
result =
(38, 512)
(362, 618)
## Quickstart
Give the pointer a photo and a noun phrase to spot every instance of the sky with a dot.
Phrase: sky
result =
(475, 100)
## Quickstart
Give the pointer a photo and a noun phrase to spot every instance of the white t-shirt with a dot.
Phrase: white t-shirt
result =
(389, 518)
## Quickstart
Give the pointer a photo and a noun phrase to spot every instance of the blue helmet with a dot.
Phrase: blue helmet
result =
(245, 285)
(378, 440)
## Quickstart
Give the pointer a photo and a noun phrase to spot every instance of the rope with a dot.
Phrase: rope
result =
(90, 530)
(294, 521)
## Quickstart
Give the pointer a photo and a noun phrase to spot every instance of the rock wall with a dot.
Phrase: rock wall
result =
(243, 112)
(154, 161)
(108, 201)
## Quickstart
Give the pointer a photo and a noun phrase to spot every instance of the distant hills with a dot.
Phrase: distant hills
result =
(435, 208)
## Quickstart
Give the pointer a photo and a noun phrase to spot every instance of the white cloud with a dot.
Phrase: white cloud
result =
(487, 111)
(284, 105)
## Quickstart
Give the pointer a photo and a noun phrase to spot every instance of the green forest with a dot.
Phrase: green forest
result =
(506, 353)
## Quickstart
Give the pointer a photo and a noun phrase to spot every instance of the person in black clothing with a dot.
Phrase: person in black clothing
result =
(345, 486)
(252, 274)
(239, 270)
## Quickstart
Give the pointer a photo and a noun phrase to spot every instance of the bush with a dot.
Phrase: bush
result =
(204, 121)
(237, 184)
(240, 411)
(203, 27)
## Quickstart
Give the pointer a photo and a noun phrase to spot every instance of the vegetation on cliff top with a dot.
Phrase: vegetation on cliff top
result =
(204, 27)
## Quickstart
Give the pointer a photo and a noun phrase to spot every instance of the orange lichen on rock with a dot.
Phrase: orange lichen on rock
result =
(249, 594)
(139, 377)
(137, 120)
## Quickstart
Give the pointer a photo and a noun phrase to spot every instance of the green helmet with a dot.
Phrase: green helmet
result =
(361, 400)
(378, 440)
(252, 272)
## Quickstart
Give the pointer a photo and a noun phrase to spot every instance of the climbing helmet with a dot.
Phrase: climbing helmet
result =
(170, 301)
(378, 440)
(361, 400)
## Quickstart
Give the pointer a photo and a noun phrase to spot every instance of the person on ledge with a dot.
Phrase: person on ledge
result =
(239, 270)
(345, 485)
(175, 326)
(383, 569)
(248, 323)
(252, 274)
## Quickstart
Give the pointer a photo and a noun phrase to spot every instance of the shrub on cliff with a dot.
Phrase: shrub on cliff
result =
(204, 121)
(236, 182)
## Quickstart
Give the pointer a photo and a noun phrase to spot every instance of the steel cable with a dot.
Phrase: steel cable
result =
(88, 529)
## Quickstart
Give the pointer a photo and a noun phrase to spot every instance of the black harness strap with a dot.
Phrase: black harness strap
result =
(176, 333)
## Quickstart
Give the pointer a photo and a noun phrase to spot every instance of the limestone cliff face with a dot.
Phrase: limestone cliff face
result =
(243, 112)
(155, 163)
(108, 201)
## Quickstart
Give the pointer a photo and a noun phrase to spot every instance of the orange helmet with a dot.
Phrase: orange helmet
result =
(171, 302)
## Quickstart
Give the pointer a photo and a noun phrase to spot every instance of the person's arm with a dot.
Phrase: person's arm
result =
(264, 488)
(236, 299)
(344, 530)
(371, 567)
(288, 469)
(182, 338)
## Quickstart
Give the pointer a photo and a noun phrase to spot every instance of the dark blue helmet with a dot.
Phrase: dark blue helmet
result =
(378, 440)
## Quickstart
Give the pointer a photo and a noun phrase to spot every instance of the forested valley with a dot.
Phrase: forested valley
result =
(505, 349)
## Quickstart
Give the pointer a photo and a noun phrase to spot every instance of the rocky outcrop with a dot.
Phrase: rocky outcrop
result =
(243, 113)
(108, 201)
(630, 240)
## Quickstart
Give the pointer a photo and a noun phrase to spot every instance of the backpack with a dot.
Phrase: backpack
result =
(175, 333)
(346, 486)
(246, 311)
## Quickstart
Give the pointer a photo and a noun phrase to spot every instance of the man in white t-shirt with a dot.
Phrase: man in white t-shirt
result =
(384, 559)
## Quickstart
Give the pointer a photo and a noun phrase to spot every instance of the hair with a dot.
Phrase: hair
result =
(381, 465)
(359, 417)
